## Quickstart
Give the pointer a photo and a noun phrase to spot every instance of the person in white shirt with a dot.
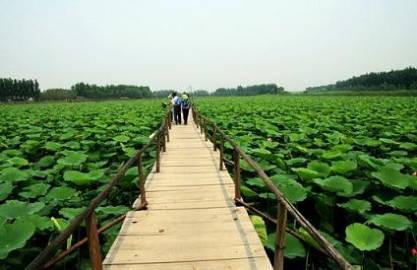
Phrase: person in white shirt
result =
(176, 103)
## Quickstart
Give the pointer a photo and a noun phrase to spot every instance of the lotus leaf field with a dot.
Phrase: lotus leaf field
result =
(54, 158)
(347, 163)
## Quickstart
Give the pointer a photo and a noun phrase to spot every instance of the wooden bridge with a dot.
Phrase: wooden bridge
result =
(191, 221)
(189, 214)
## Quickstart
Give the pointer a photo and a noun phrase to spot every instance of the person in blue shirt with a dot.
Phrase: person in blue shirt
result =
(186, 104)
(176, 103)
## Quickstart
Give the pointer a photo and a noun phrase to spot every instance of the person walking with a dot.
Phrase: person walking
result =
(186, 104)
(176, 102)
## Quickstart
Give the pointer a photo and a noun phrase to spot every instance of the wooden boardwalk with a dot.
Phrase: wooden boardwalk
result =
(191, 221)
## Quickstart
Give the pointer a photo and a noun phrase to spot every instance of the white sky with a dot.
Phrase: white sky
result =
(204, 44)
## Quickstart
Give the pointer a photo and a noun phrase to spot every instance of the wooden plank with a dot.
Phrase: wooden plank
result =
(253, 263)
(191, 221)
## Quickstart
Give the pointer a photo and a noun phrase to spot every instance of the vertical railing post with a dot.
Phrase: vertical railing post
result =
(201, 125)
(93, 243)
(280, 236)
(221, 153)
(236, 164)
(158, 153)
(141, 181)
(214, 138)
(167, 132)
(164, 146)
(205, 131)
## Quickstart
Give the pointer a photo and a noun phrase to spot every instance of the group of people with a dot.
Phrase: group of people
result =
(180, 103)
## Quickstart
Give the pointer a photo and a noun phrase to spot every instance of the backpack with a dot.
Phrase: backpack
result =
(178, 101)
(186, 103)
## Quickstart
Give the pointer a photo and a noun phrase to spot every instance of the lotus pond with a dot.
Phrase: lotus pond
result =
(54, 158)
(347, 163)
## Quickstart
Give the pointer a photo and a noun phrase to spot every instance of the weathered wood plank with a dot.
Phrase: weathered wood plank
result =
(191, 221)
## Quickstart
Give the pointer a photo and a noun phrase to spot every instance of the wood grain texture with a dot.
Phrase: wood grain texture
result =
(191, 221)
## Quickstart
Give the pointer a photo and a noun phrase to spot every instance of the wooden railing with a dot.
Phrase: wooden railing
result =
(44, 261)
(218, 138)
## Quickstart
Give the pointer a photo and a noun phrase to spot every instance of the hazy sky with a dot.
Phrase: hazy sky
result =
(204, 44)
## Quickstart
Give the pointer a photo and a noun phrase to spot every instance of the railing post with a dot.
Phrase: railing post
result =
(280, 236)
(167, 130)
(93, 243)
(158, 153)
(164, 146)
(205, 131)
(236, 164)
(201, 126)
(221, 153)
(141, 181)
(215, 139)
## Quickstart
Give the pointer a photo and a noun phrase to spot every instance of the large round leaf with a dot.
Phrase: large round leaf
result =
(391, 221)
(363, 237)
(260, 227)
(355, 205)
(307, 174)
(80, 178)
(12, 174)
(5, 190)
(14, 236)
(18, 162)
(322, 168)
(335, 184)
(405, 203)
(15, 209)
(73, 159)
(291, 188)
(344, 166)
(292, 247)
(34, 191)
(61, 193)
(392, 178)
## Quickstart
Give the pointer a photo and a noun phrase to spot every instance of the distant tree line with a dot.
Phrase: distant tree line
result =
(261, 89)
(405, 79)
(58, 94)
(93, 91)
(18, 90)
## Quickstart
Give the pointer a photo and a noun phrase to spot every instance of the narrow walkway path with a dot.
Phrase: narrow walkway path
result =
(191, 221)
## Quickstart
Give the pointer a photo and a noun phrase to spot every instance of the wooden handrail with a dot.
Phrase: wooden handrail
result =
(284, 205)
(43, 257)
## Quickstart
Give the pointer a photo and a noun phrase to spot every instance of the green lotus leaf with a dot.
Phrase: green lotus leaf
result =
(61, 193)
(14, 209)
(46, 161)
(363, 237)
(355, 205)
(335, 184)
(71, 213)
(18, 162)
(344, 166)
(392, 178)
(53, 146)
(245, 166)
(247, 192)
(388, 141)
(391, 221)
(291, 188)
(331, 154)
(293, 247)
(296, 161)
(121, 138)
(40, 222)
(5, 190)
(405, 203)
(256, 182)
(14, 236)
(260, 227)
(322, 168)
(35, 190)
(307, 174)
(105, 211)
(359, 187)
(12, 174)
(81, 179)
(73, 159)
(408, 146)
